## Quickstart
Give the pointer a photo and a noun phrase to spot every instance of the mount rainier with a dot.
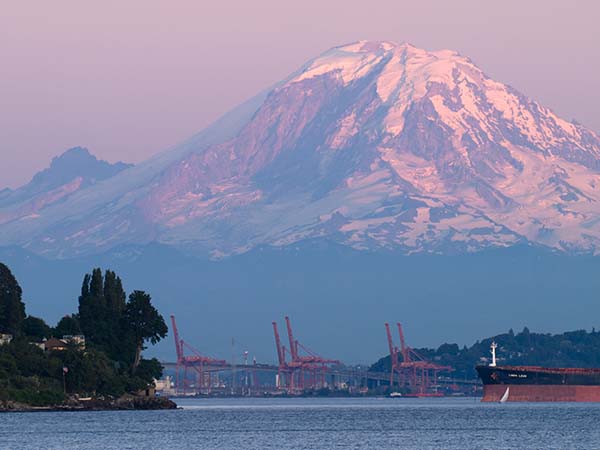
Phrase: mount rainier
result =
(372, 145)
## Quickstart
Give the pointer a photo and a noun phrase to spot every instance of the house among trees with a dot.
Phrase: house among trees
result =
(100, 352)
(54, 344)
(75, 340)
(68, 340)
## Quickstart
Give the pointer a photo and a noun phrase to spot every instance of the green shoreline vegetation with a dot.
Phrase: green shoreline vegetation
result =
(91, 359)
(578, 348)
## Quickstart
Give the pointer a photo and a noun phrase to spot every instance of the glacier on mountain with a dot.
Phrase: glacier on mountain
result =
(373, 145)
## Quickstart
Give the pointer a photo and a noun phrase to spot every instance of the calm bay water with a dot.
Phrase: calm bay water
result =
(312, 424)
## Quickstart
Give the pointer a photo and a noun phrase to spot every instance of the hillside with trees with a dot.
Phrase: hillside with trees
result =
(570, 349)
(94, 353)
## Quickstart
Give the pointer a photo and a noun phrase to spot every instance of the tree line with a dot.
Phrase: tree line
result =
(578, 348)
(116, 327)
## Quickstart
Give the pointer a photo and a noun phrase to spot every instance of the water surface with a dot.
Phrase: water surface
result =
(312, 424)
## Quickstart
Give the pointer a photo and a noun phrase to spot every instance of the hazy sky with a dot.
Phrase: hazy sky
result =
(129, 78)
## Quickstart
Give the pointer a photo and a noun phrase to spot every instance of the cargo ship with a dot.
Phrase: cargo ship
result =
(537, 384)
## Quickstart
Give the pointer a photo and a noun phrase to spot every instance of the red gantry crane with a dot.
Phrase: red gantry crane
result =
(303, 371)
(414, 371)
(197, 362)
(282, 371)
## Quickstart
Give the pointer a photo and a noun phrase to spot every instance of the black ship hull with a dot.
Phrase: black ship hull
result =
(539, 384)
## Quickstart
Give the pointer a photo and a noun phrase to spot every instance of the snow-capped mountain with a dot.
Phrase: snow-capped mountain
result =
(371, 145)
(74, 170)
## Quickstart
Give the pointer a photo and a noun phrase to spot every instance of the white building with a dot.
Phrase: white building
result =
(5, 338)
(76, 339)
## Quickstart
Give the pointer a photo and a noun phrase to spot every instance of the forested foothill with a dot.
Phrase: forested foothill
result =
(578, 348)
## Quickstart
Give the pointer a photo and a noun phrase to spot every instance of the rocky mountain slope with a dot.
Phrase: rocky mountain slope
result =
(372, 145)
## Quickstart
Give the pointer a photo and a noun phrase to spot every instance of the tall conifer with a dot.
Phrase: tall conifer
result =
(12, 308)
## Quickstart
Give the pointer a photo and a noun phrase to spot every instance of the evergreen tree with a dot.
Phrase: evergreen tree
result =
(114, 294)
(12, 308)
(96, 285)
(111, 364)
(35, 328)
(102, 306)
(68, 325)
(144, 323)
(86, 315)
(92, 310)
(115, 299)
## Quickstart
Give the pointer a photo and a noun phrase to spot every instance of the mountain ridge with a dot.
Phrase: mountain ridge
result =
(373, 145)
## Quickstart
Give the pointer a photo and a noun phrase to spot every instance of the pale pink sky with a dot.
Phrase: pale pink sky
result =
(129, 78)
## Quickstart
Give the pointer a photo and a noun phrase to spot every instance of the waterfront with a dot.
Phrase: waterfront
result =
(375, 423)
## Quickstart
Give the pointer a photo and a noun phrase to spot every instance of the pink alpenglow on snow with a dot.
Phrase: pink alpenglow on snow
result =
(370, 145)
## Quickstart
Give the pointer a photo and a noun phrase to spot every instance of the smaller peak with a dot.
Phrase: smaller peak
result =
(80, 153)
(71, 164)
(76, 150)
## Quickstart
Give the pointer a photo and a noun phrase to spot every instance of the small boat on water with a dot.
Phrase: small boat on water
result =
(395, 394)
(504, 398)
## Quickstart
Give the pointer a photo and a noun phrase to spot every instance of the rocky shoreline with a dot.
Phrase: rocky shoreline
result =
(125, 403)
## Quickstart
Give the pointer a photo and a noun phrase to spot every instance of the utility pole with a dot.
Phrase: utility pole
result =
(64, 374)
(233, 366)
(246, 371)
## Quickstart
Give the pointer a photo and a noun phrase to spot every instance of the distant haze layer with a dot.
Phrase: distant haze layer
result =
(128, 80)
